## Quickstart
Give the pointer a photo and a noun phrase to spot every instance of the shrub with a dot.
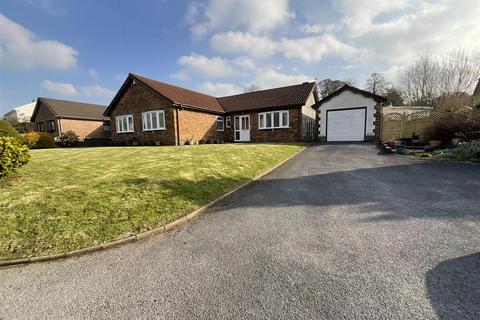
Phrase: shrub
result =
(24, 127)
(45, 140)
(456, 124)
(13, 155)
(6, 130)
(69, 138)
(467, 151)
(31, 138)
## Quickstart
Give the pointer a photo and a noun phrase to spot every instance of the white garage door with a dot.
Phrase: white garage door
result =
(346, 125)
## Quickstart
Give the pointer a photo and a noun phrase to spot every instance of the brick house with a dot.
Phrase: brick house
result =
(59, 116)
(148, 112)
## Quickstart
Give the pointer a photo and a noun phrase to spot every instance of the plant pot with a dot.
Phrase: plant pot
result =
(157, 143)
(435, 143)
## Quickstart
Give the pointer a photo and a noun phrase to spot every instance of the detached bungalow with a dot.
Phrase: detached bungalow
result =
(59, 116)
(147, 112)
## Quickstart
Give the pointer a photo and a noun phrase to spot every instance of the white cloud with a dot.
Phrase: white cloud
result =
(20, 48)
(358, 14)
(61, 88)
(319, 28)
(411, 27)
(244, 63)
(92, 73)
(243, 42)
(313, 49)
(68, 89)
(309, 49)
(180, 75)
(267, 78)
(219, 89)
(252, 15)
(97, 91)
(215, 67)
(350, 67)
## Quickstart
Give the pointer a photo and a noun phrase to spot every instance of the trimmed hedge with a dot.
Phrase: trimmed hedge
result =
(13, 155)
(6, 130)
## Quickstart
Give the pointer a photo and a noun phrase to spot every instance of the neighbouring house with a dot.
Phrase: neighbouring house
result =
(59, 116)
(349, 114)
(148, 112)
(20, 114)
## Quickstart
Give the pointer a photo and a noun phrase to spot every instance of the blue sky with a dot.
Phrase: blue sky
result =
(83, 50)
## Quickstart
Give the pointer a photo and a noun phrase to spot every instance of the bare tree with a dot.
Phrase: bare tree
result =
(326, 87)
(459, 73)
(251, 87)
(441, 81)
(377, 84)
(419, 81)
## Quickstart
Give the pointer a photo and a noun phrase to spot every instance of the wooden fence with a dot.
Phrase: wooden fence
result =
(397, 125)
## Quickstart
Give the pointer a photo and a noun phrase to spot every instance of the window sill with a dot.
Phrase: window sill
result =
(150, 130)
(125, 132)
(274, 128)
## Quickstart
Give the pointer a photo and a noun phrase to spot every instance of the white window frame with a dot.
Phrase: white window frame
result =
(281, 125)
(119, 128)
(228, 122)
(222, 120)
(158, 113)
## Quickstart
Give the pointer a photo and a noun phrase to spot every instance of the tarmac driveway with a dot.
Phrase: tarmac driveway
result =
(338, 232)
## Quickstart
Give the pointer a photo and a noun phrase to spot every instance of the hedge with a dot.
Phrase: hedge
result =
(13, 155)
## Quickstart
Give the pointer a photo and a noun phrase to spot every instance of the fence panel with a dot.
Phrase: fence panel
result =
(397, 125)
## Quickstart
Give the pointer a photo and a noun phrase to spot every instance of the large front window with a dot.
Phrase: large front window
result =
(273, 120)
(153, 120)
(124, 123)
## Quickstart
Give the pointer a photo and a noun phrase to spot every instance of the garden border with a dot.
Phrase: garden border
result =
(145, 234)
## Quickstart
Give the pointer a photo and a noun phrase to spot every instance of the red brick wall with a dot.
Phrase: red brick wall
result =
(198, 126)
(270, 135)
(135, 100)
(84, 128)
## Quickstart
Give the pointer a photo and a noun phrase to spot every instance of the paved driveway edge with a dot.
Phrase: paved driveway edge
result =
(146, 234)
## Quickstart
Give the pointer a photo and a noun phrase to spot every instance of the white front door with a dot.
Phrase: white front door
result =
(242, 128)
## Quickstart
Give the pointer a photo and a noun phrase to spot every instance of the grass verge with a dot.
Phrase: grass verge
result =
(66, 199)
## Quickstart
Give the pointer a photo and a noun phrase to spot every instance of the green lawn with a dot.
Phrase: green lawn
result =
(66, 199)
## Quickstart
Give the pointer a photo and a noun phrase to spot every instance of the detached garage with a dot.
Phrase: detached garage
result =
(348, 114)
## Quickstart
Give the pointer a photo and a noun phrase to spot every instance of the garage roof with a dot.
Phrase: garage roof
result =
(346, 87)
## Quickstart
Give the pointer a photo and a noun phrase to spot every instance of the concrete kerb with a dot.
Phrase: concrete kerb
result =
(142, 235)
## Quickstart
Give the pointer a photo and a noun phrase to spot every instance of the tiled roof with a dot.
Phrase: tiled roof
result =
(295, 95)
(181, 95)
(364, 93)
(71, 109)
